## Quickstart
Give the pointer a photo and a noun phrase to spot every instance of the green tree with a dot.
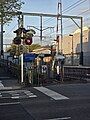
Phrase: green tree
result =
(16, 49)
(8, 8)
(34, 46)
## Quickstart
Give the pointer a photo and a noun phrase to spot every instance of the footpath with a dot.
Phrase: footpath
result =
(7, 81)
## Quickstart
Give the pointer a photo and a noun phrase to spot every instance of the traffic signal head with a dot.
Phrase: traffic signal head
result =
(20, 30)
(17, 40)
(28, 41)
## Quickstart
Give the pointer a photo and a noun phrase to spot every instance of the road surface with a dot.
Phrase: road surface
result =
(53, 102)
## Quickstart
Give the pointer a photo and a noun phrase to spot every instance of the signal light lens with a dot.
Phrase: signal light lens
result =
(28, 41)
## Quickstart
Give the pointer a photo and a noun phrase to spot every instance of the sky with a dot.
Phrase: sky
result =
(69, 7)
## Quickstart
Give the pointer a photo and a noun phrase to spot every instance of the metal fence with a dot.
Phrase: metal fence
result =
(72, 60)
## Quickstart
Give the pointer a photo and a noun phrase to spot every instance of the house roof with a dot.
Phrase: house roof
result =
(42, 50)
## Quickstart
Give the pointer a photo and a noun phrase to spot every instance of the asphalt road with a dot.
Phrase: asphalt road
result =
(54, 102)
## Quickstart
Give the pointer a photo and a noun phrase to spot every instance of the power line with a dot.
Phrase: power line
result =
(65, 10)
(74, 6)
(78, 14)
(11, 30)
(68, 9)
(54, 32)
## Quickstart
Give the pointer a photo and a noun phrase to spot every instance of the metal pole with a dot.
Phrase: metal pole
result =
(20, 24)
(41, 29)
(22, 70)
(57, 37)
(49, 15)
(59, 17)
(81, 43)
(43, 15)
(2, 35)
(61, 27)
(72, 49)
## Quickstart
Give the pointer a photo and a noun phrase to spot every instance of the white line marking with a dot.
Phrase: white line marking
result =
(64, 118)
(14, 103)
(15, 94)
(1, 85)
(19, 91)
(5, 88)
(0, 95)
(15, 97)
(13, 91)
(28, 93)
(18, 97)
(51, 93)
(32, 96)
(4, 77)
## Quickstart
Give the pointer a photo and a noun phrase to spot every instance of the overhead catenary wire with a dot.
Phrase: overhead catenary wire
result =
(74, 6)
(63, 10)
(69, 7)
(67, 21)
(68, 26)
(7, 34)
(78, 14)
(78, 3)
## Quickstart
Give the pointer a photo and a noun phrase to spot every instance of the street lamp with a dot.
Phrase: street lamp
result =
(72, 49)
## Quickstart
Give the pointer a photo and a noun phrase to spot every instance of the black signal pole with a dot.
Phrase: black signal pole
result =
(72, 49)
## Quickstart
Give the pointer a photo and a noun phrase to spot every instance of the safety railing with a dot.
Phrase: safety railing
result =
(81, 73)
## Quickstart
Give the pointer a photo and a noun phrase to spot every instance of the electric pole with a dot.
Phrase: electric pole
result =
(59, 35)
(20, 25)
(1, 35)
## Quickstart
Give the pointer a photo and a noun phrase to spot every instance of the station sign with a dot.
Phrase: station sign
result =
(29, 57)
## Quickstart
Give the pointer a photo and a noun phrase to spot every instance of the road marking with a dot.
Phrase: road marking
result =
(32, 96)
(28, 93)
(4, 77)
(13, 103)
(5, 88)
(15, 97)
(15, 94)
(13, 91)
(0, 95)
(1, 85)
(51, 93)
(18, 94)
(64, 118)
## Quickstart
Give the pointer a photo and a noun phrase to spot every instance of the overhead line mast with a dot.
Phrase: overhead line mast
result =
(55, 16)
(59, 36)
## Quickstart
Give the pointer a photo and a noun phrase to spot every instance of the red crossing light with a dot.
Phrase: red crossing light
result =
(28, 41)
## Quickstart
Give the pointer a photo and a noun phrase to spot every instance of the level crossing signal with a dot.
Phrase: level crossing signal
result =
(28, 41)
(17, 40)
(23, 35)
